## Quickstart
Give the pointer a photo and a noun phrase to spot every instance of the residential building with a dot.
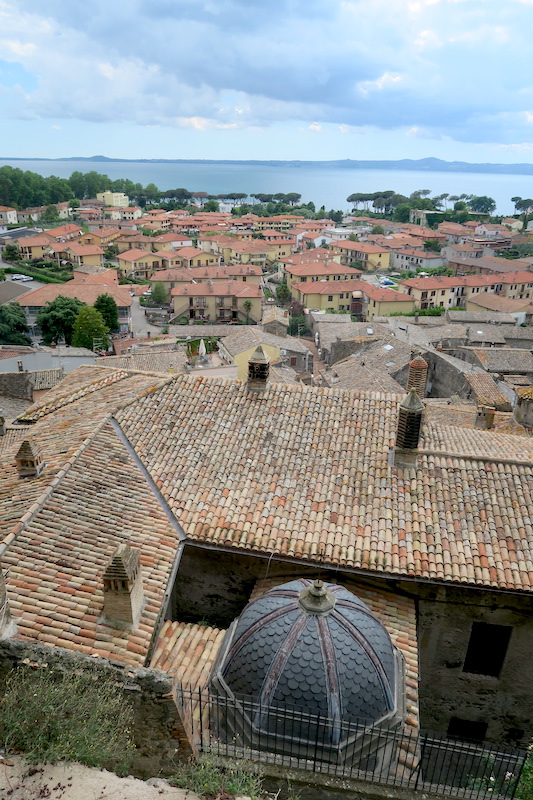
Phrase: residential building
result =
(484, 265)
(109, 198)
(220, 301)
(284, 350)
(139, 264)
(102, 237)
(513, 223)
(457, 291)
(33, 247)
(32, 302)
(8, 215)
(370, 256)
(355, 297)
(170, 278)
(188, 258)
(520, 310)
(171, 241)
(64, 233)
(80, 255)
(317, 271)
(406, 259)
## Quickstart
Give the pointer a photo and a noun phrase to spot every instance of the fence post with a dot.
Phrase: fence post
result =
(422, 749)
(201, 720)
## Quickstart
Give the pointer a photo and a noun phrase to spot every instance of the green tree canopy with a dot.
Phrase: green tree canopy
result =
(13, 328)
(482, 204)
(56, 319)
(211, 205)
(11, 253)
(90, 329)
(159, 294)
(107, 307)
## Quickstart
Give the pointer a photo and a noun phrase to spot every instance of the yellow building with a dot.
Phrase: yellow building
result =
(170, 278)
(315, 271)
(371, 256)
(287, 350)
(34, 246)
(139, 264)
(117, 199)
(218, 301)
(356, 297)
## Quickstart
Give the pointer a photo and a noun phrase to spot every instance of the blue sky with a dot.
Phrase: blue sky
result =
(269, 79)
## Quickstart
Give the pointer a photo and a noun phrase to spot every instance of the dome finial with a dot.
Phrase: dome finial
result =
(316, 599)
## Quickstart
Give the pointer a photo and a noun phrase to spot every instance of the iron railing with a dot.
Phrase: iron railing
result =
(240, 728)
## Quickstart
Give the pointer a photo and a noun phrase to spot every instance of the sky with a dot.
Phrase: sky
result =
(267, 79)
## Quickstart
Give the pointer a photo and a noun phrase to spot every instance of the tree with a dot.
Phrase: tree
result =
(401, 212)
(13, 327)
(159, 294)
(51, 214)
(283, 293)
(247, 305)
(460, 205)
(432, 245)
(11, 253)
(211, 205)
(353, 238)
(2, 274)
(56, 319)
(90, 330)
(378, 229)
(482, 204)
(107, 307)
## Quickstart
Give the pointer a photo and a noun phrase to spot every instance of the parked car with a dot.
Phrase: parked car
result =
(22, 278)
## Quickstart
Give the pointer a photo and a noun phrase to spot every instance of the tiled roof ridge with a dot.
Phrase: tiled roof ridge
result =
(90, 388)
(48, 491)
(155, 373)
(486, 459)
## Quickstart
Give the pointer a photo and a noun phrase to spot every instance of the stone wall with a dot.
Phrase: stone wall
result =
(445, 622)
(16, 384)
(159, 736)
(446, 376)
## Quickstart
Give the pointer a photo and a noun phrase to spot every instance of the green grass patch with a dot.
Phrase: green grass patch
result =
(210, 777)
(72, 716)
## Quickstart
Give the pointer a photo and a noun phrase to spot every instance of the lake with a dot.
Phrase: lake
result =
(323, 185)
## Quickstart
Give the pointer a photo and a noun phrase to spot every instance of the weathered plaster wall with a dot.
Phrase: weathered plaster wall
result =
(445, 622)
(159, 736)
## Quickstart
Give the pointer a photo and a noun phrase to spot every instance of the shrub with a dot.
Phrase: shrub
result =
(211, 777)
(75, 716)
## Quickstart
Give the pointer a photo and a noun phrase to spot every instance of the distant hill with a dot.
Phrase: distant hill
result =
(407, 164)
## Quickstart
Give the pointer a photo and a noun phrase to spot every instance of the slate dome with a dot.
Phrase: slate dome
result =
(314, 647)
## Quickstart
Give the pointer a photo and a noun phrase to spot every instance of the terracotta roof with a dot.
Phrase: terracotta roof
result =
(136, 255)
(86, 292)
(218, 288)
(244, 485)
(34, 241)
(107, 276)
(247, 336)
(505, 359)
(190, 252)
(418, 253)
(330, 287)
(361, 247)
(498, 302)
(55, 586)
(187, 652)
(351, 373)
(189, 274)
(487, 391)
(83, 249)
(173, 361)
(321, 268)
(46, 378)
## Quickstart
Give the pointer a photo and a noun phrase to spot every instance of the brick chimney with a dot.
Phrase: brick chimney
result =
(29, 459)
(408, 430)
(5, 616)
(258, 370)
(484, 417)
(418, 375)
(123, 588)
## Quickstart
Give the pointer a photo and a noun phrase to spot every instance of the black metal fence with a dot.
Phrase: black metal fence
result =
(291, 737)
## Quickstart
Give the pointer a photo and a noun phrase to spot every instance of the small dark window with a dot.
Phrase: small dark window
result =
(467, 729)
(487, 648)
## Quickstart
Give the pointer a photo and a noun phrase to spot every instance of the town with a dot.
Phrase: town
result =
(277, 482)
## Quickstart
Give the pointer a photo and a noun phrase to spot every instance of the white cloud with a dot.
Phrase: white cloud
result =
(315, 127)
